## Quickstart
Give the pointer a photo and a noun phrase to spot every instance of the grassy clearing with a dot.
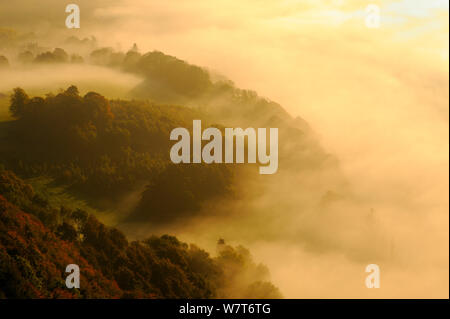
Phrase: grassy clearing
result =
(58, 196)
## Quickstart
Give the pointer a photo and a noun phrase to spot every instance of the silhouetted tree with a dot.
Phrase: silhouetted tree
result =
(19, 100)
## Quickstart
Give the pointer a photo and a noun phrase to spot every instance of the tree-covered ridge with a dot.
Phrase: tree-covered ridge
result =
(105, 148)
(169, 80)
(37, 245)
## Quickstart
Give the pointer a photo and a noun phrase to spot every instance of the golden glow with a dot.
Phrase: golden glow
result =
(378, 99)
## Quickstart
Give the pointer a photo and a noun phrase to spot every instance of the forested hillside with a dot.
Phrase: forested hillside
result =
(38, 241)
(104, 151)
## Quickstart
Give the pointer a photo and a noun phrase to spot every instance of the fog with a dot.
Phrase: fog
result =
(43, 79)
(377, 99)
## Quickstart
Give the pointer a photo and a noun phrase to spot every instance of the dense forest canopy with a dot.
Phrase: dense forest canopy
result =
(105, 148)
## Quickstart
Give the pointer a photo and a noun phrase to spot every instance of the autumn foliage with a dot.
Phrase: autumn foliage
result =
(37, 245)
